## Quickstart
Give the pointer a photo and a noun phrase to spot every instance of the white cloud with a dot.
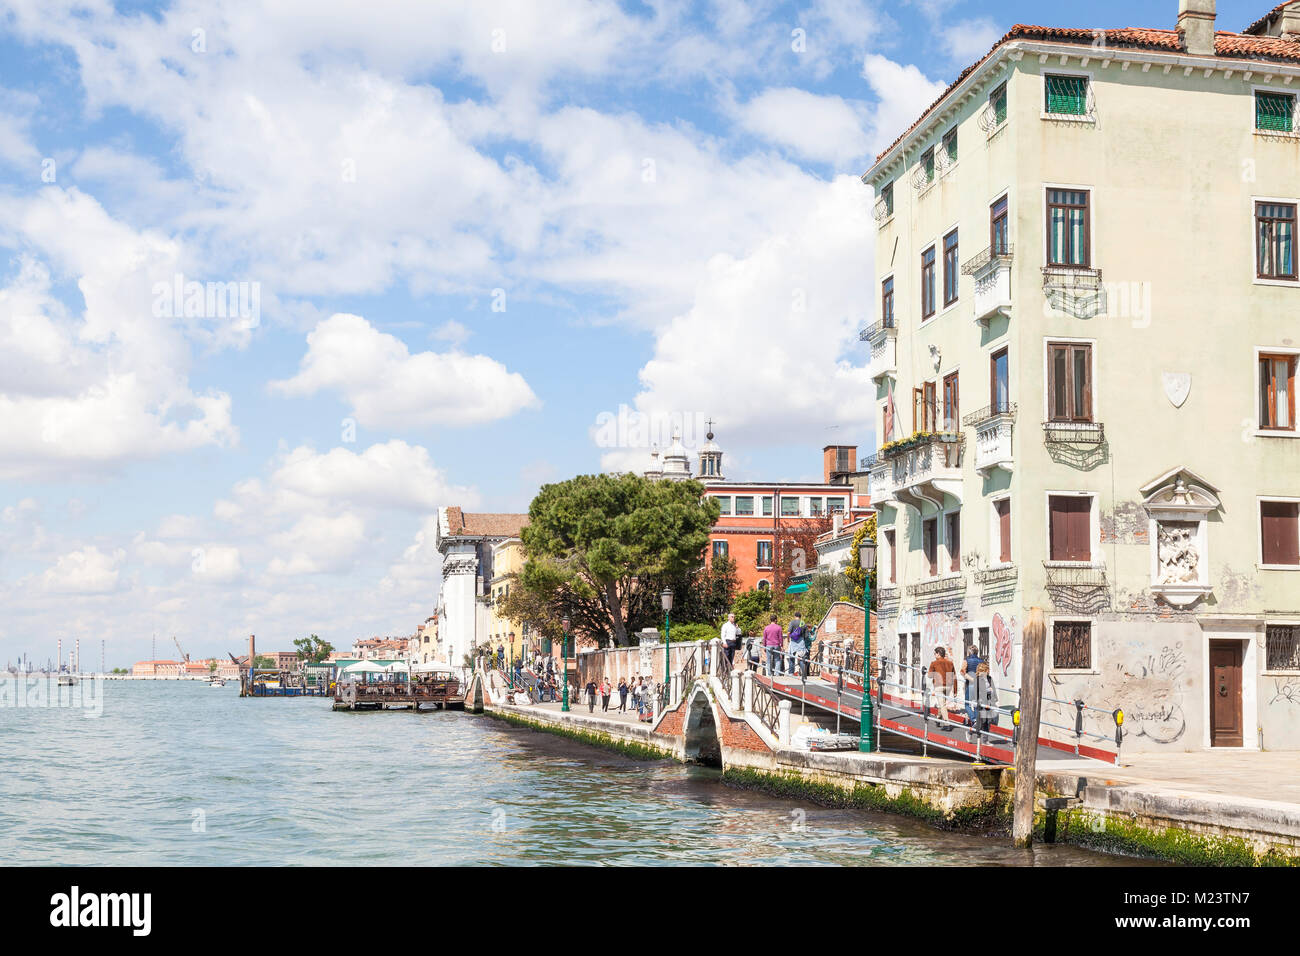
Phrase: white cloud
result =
(825, 129)
(968, 40)
(764, 348)
(389, 475)
(317, 544)
(388, 387)
(904, 92)
(86, 571)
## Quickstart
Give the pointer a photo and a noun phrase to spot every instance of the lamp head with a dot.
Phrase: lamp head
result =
(666, 598)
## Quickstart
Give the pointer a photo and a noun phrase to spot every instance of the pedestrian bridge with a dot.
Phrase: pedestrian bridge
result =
(815, 703)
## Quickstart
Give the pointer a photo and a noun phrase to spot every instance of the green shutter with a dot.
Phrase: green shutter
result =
(1067, 95)
(1275, 111)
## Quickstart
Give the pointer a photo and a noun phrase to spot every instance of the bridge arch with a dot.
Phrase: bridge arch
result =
(700, 740)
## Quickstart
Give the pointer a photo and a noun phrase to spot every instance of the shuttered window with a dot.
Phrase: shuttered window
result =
(1067, 95)
(893, 556)
(999, 238)
(1275, 112)
(930, 544)
(1279, 532)
(1003, 508)
(887, 303)
(998, 100)
(1071, 645)
(1069, 382)
(952, 533)
(950, 273)
(1070, 527)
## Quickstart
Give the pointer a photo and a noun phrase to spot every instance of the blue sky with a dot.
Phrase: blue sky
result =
(475, 233)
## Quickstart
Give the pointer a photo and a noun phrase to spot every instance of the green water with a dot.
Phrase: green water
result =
(178, 773)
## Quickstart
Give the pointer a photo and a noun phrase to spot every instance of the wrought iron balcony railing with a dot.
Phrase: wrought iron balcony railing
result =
(1002, 574)
(1074, 433)
(1069, 574)
(944, 585)
(875, 329)
(989, 412)
(979, 262)
(1068, 278)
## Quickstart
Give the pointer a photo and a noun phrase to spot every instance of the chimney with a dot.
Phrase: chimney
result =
(1196, 24)
(251, 655)
(837, 523)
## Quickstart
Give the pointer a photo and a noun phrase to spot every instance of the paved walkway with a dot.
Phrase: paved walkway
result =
(1268, 775)
(580, 708)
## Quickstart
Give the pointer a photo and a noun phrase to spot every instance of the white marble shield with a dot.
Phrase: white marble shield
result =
(1177, 386)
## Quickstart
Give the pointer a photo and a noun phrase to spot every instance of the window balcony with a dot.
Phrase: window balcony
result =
(992, 274)
(1076, 290)
(880, 484)
(1074, 433)
(883, 340)
(993, 427)
(923, 469)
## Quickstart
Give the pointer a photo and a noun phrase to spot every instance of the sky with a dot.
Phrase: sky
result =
(278, 279)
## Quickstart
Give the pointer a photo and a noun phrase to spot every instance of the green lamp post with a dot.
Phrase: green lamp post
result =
(666, 599)
(866, 738)
(564, 650)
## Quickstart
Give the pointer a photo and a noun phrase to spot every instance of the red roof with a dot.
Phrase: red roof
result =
(1259, 25)
(1227, 45)
(484, 525)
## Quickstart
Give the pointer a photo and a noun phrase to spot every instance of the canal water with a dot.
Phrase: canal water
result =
(179, 773)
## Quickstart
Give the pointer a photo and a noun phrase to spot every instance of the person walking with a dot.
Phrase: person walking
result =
(969, 669)
(943, 677)
(606, 688)
(591, 696)
(622, 695)
(772, 643)
(798, 647)
(986, 693)
(730, 638)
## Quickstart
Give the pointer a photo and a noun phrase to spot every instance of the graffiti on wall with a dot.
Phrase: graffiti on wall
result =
(1147, 688)
(1004, 632)
(1286, 690)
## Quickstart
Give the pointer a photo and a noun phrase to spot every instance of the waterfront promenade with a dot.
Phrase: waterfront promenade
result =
(1190, 806)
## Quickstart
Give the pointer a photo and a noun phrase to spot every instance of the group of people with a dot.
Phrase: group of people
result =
(638, 690)
(981, 697)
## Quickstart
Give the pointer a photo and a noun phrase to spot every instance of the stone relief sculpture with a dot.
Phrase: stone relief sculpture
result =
(1178, 557)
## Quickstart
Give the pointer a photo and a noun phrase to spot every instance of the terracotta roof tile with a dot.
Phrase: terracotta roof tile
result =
(1262, 22)
(1234, 45)
(489, 525)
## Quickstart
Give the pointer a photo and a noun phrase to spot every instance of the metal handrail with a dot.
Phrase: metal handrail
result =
(989, 412)
(765, 705)
(1074, 433)
(979, 261)
(877, 328)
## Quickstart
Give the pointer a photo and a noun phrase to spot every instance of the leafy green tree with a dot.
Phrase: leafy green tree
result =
(855, 572)
(751, 609)
(212, 667)
(600, 546)
(262, 663)
(313, 650)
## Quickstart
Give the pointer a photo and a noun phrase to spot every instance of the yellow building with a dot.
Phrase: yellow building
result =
(507, 560)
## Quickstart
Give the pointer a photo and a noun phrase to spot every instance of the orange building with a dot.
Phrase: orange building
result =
(769, 528)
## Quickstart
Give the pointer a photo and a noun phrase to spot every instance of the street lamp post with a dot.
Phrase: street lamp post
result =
(666, 599)
(866, 738)
(564, 676)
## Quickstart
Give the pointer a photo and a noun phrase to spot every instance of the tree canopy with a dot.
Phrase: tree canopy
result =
(601, 547)
(312, 649)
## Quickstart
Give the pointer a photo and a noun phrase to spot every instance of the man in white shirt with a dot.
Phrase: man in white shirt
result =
(730, 638)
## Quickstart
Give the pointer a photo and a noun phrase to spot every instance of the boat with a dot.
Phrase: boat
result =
(217, 682)
(67, 680)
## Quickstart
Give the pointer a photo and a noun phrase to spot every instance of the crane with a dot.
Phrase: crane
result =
(180, 650)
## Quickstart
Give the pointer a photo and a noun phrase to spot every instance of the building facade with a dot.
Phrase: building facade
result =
(465, 541)
(1084, 356)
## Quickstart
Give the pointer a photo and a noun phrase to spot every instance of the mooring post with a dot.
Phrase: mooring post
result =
(1031, 704)
(783, 723)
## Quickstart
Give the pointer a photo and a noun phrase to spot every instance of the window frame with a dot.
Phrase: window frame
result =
(932, 267)
(994, 405)
(1282, 92)
(951, 268)
(953, 562)
(1004, 201)
(1259, 531)
(735, 505)
(767, 505)
(798, 506)
(887, 194)
(928, 158)
(1267, 671)
(725, 551)
(1089, 92)
(951, 154)
(891, 545)
(1049, 380)
(1276, 431)
(724, 505)
(930, 525)
(888, 301)
(995, 532)
(1094, 529)
(1004, 89)
(1260, 278)
(758, 554)
(1089, 211)
(1092, 667)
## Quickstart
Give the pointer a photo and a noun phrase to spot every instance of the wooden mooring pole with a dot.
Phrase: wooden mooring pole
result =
(1031, 707)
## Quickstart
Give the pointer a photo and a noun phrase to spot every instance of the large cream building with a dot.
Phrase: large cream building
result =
(1087, 324)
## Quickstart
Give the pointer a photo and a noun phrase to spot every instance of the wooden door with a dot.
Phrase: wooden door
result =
(1225, 694)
